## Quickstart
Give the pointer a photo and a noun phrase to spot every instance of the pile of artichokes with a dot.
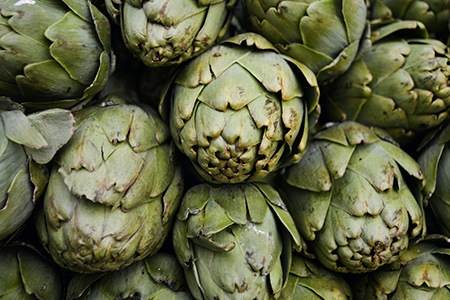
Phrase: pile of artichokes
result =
(226, 149)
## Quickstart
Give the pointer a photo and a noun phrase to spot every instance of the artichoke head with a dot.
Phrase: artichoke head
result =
(235, 241)
(353, 196)
(62, 60)
(113, 190)
(241, 111)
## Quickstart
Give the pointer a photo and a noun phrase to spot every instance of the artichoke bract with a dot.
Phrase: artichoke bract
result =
(434, 14)
(169, 32)
(308, 279)
(241, 110)
(26, 274)
(421, 272)
(400, 85)
(434, 159)
(113, 191)
(158, 277)
(322, 34)
(27, 143)
(53, 53)
(354, 197)
(235, 241)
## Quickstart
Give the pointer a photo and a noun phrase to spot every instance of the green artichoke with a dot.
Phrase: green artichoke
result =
(308, 279)
(400, 85)
(322, 34)
(159, 277)
(235, 241)
(421, 272)
(354, 197)
(169, 32)
(241, 111)
(434, 14)
(26, 275)
(53, 53)
(434, 159)
(27, 143)
(113, 191)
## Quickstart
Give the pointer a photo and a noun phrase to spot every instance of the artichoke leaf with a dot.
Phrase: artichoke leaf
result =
(354, 14)
(233, 201)
(19, 129)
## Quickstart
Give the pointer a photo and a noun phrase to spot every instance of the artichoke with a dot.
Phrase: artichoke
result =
(159, 277)
(113, 190)
(27, 143)
(434, 14)
(322, 34)
(354, 197)
(241, 111)
(434, 159)
(421, 272)
(26, 274)
(234, 241)
(401, 85)
(168, 32)
(53, 53)
(308, 279)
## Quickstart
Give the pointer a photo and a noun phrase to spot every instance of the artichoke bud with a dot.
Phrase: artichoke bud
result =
(27, 144)
(323, 35)
(156, 277)
(421, 272)
(26, 274)
(113, 190)
(159, 33)
(353, 197)
(398, 84)
(235, 241)
(240, 111)
(62, 61)
(434, 158)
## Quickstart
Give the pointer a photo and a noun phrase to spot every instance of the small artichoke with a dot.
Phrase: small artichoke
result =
(324, 35)
(308, 279)
(169, 32)
(401, 85)
(241, 111)
(27, 143)
(354, 197)
(113, 191)
(434, 14)
(27, 275)
(434, 159)
(421, 272)
(53, 53)
(158, 277)
(235, 241)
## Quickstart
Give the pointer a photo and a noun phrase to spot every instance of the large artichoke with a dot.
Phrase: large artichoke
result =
(240, 111)
(324, 35)
(434, 14)
(435, 162)
(158, 277)
(308, 279)
(401, 85)
(353, 195)
(113, 190)
(27, 143)
(26, 275)
(421, 272)
(234, 241)
(53, 53)
(169, 32)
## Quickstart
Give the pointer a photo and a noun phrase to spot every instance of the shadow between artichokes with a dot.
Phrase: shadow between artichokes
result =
(241, 111)
(354, 198)
(113, 191)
